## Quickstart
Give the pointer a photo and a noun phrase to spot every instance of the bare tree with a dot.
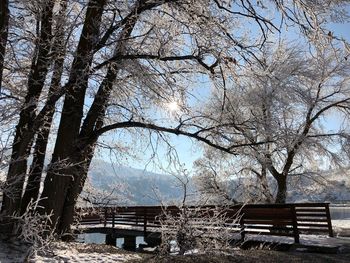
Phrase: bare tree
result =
(212, 179)
(285, 102)
(115, 195)
(38, 70)
(4, 20)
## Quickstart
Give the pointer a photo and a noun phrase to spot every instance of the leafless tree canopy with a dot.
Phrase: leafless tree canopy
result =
(285, 103)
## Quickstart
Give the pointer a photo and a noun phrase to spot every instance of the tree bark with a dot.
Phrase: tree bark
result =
(85, 150)
(4, 21)
(92, 122)
(35, 174)
(281, 190)
(60, 174)
(265, 185)
(21, 146)
(79, 173)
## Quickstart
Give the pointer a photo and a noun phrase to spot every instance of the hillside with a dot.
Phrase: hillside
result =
(140, 187)
(135, 186)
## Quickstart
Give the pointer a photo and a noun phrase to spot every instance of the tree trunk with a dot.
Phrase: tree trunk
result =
(281, 190)
(79, 174)
(60, 174)
(265, 186)
(85, 150)
(92, 122)
(4, 21)
(22, 144)
(35, 174)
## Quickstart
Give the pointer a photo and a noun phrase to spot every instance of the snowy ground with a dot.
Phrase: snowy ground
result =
(92, 253)
(307, 240)
(68, 253)
(341, 227)
(77, 252)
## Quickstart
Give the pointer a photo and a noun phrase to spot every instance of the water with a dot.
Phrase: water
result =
(340, 212)
(98, 238)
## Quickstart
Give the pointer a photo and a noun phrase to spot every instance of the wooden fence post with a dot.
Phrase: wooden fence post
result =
(145, 221)
(113, 218)
(105, 219)
(329, 221)
(295, 224)
(241, 222)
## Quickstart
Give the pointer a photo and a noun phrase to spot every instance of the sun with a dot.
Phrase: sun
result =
(173, 106)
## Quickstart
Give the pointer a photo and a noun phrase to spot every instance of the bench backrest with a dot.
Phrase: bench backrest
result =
(266, 219)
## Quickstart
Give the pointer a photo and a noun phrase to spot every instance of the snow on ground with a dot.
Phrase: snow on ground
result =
(67, 252)
(71, 255)
(315, 240)
(341, 223)
(341, 227)
(92, 253)
(78, 252)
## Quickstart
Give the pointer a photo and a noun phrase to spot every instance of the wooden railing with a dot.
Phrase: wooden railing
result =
(264, 219)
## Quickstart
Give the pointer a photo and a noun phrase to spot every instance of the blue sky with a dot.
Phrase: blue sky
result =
(341, 29)
(188, 151)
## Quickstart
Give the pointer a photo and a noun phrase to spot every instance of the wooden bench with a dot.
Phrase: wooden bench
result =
(262, 219)
(286, 219)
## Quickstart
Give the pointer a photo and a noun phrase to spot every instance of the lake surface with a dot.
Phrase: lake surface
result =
(340, 212)
(98, 238)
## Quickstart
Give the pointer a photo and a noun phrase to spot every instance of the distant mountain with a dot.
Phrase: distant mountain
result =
(139, 187)
(328, 186)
